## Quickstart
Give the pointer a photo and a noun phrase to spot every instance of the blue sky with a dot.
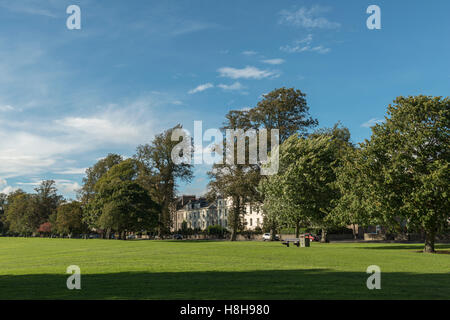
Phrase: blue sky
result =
(69, 97)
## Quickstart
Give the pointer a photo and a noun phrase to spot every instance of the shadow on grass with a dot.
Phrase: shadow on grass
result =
(270, 284)
(405, 247)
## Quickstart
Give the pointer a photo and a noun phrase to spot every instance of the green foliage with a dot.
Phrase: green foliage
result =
(19, 213)
(3, 201)
(303, 191)
(94, 174)
(406, 166)
(69, 218)
(121, 203)
(159, 174)
(283, 109)
(216, 230)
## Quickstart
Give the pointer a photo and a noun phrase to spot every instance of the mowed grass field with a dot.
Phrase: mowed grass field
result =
(33, 268)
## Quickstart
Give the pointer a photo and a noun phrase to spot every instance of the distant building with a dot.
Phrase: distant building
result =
(199, 213)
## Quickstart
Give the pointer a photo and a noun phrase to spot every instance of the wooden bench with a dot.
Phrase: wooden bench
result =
(294, 241)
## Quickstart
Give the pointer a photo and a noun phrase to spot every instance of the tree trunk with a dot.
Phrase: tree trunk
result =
(233, 235)
(323, 239)
(354, 231)
(429, 242)
(235, 217)
(297, 229)
(273, 233)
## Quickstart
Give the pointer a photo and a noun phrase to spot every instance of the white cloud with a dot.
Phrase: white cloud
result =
(35, 147)
(4, 188)
(201, 88)
(67, 186)
(5, 108)
(308, 18)
(249, 52)
(231, 87)
(72, 171)
(304, 45)
(100, 129)
(372, 122)
(246, 73)
(273, 61)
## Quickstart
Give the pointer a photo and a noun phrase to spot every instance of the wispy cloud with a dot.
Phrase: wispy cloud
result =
(72, 171)
(310, 18)
(201, 88)
(231, 87)
(247, 73)
(249, 53)
(28, 7)
(274, 61)
(46, 145)
(7, 107)
(305, 45)
(372, 122)
(186, 27)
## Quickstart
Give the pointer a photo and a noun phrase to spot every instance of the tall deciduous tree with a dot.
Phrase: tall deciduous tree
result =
(284, 109)
(19, 213)
(235, 181)
(47, 201)
(69, 219)
(159, 174)
(407, 164)
(304, 191)
(87, 193)
(121, 203)
(94, 173)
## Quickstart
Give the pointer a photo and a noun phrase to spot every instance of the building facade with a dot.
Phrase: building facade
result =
(198, 213)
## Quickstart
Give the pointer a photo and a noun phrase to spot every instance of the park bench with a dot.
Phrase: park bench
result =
(294, 241)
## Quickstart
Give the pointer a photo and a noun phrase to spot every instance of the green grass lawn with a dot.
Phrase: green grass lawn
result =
(32, 268)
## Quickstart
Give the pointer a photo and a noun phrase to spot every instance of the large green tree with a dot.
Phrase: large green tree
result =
(406, 162)
(121, 203)
(69, 218)
(303, 192)
(19, 213)
(94, 173)
(160, 175)
(235, 181)
(284, 109)
(87, 192)
(46, 200)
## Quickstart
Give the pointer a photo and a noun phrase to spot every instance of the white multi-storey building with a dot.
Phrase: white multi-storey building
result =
(199, 213)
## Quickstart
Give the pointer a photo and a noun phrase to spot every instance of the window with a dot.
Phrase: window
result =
(251, 222)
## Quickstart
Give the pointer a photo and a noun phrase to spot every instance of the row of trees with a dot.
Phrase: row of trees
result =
(44, 211)
(118, 196)
(136, 194)
(399, 178)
